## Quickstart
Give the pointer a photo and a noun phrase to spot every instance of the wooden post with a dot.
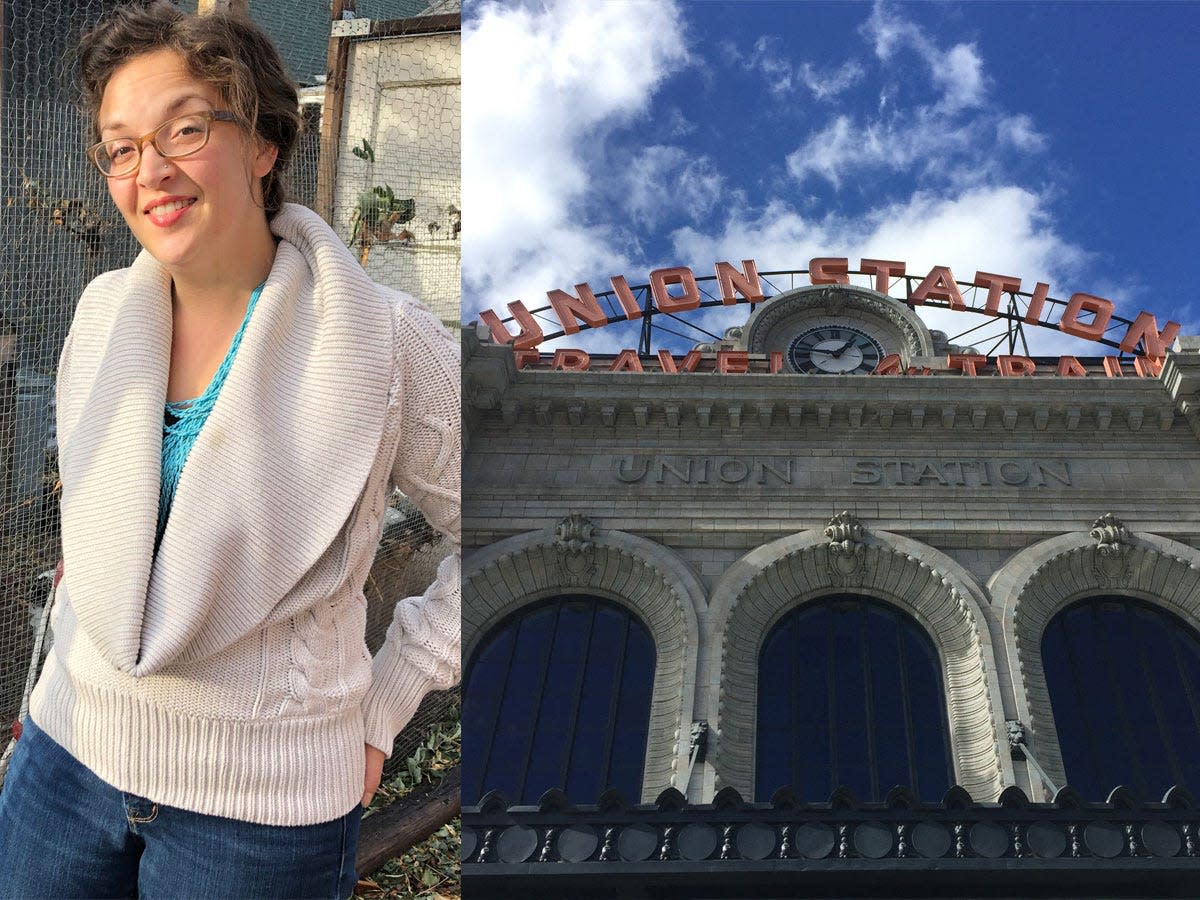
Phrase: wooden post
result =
(3, 60)
(338, 60)
(8, 425)
(204, 7)
(408, 821)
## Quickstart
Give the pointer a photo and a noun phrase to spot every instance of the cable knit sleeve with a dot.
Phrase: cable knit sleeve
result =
(421, 651)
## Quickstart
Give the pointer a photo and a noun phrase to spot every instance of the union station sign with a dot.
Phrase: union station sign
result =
(677, 290)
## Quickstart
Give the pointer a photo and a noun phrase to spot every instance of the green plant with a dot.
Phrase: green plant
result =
(375, 214)
(377, 211)
(366, 151)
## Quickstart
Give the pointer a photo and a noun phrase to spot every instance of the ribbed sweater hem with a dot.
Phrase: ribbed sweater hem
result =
(284, 771)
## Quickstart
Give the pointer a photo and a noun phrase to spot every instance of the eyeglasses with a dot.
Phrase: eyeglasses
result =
(174, 138)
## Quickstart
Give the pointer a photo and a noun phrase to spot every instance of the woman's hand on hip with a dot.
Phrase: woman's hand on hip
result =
(375, 758)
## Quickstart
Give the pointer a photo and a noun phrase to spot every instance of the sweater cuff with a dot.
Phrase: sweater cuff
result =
(391, 702)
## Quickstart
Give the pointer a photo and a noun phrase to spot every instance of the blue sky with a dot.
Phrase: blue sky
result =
(1053, 142)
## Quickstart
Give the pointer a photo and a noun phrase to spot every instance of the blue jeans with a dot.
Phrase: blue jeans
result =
(65, 833)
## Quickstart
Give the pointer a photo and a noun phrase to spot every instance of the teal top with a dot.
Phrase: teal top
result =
(185, 418)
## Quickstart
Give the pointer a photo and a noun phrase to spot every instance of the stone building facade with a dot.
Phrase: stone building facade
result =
(713, 504)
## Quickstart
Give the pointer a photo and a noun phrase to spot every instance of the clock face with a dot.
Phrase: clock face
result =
(834, 350)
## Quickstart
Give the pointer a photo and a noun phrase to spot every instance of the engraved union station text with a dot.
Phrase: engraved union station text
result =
(865, 471)
(961, 472)
(704, 470)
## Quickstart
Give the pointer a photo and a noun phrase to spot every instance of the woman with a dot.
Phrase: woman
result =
(209, 722)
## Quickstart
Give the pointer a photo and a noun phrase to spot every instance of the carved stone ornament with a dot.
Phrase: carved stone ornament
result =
(833, 298)
(846, 533)
(847, 547)
(1112, 544)
(1111, 535)
(573, 542)
(573, 535)
(698, 741)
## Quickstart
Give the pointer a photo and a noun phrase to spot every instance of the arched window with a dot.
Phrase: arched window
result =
(558, 696)
(850, 693)
(1124, 678)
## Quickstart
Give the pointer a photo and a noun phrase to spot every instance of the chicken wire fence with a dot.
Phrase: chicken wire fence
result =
(391, 192)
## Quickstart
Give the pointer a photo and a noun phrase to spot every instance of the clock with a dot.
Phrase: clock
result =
(834, 350)
(835, 329)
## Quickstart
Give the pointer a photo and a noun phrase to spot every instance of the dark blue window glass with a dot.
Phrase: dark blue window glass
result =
(558, 696)
(1123, 678)
(850, 693)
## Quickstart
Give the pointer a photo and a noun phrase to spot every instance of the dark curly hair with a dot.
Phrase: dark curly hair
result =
(226, 50)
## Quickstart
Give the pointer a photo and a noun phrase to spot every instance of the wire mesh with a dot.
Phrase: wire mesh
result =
(58, 230)
(397, 199)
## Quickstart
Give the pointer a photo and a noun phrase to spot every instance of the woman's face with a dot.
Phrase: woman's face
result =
(196, 211)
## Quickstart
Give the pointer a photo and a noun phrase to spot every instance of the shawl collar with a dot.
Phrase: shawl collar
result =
(272, 478)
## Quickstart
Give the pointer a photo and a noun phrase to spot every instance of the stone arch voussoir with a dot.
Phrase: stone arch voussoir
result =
(773, 579)
(646, 577)
(1039, 581)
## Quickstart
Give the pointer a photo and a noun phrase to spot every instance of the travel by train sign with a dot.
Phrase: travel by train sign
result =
(675, 290)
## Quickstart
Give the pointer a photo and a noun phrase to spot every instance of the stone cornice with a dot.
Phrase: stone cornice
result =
(586, 399)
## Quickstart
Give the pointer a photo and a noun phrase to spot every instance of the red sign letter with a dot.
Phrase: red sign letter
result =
(1079, 302)
(996, 285)
(625, 295)
(1148, 366)
(1036, 302)
(732, 361)
(1145, 329)
(883, 270)
(744, 282)
(689, 299)
(525, 358)
(530, 334)
(667, 361)
(572, 360)
(1070, 366)
(889, 365)
(969, 363)
(1015, 365)
(829, 270)
(939, 285)
(626, 361)
(585, 307)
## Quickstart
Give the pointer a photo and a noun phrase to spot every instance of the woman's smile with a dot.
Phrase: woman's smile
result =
(167, 211)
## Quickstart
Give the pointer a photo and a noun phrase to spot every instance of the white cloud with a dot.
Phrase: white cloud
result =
(1020, 132)
(541, 91)
(769, 58)
(665, 179)
(776, 69)
(1003, 229)
(958, 71)
(938, 141)
(730, 52)
(960, 75)
(913, 142)
(827, 85)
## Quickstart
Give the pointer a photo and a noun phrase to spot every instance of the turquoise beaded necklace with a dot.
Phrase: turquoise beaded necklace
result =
(185, 418)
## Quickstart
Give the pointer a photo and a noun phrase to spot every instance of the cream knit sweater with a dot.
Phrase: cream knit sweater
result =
(228, 674)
